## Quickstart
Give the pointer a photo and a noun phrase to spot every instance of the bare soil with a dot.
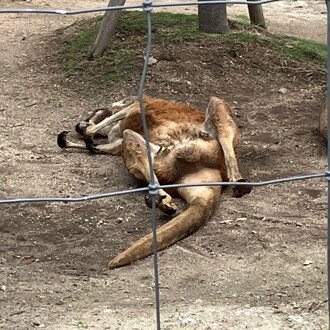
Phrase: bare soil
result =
(260, 263)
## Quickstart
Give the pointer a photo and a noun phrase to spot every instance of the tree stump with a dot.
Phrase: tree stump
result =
(257, 15)
(213, 18)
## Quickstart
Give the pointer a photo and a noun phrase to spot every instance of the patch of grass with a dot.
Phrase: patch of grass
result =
(304, 51)
(15, 94)
(299, 49)
(111, 67)
(128, 45)
(241, 36)
(123, 53)
(83, 40)
(242, 18)
(177, 27)
(168, 26)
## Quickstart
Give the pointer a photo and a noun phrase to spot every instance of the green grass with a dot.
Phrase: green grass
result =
(122, 55)
(300, 49)
(130, 41)
(76, 48)
(241, 36)
(242, 19)
(304, 51)
(175, 27)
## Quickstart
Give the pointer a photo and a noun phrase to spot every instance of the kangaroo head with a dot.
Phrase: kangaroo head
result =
(122, 104)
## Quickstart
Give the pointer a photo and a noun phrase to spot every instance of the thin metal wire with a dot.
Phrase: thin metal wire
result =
(86, 198)
(140, 92)
(248, 184)
(72, 199)
(110, 8)
(153, 191)
(155, 259)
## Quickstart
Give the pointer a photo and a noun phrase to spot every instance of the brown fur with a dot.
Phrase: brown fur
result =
(187, 147)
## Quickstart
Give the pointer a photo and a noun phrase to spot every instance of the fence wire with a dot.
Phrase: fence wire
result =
(147, 6)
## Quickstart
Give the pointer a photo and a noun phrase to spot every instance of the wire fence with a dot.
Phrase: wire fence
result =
(153, 187)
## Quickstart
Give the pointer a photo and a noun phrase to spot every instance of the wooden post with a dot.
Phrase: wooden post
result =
(257, 15)
(213, 18)
(106, 30)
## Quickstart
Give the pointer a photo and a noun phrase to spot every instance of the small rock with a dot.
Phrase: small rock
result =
(299, 224)
(188, 321)
(152, 60)
(60, 303)
(308, 262)
(283, 90)
(31, 104)
(226, 221)
(38, 324)
(296, 319)
(119, 220)
(3, 288)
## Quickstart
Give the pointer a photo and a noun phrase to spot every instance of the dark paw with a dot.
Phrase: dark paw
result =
(239, 191)
(100, 136)
(148, 200)
(79, 130)
(90, 145)
(61, 140)
(92, 148)
(169, 210)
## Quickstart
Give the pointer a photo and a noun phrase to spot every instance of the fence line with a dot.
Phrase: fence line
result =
(153, 187)
(146, 5)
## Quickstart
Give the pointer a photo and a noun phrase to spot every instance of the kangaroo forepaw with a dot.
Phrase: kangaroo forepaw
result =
(90, 145)
(92, 148)
(239, 191)
(163, 202)
(61, 140)
(81, 128)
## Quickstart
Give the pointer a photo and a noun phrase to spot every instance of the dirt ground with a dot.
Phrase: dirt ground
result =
(260, 263)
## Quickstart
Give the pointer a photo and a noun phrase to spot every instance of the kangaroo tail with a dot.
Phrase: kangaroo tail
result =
(181, 226)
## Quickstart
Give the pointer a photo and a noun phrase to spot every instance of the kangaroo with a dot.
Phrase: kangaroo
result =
(187, 146)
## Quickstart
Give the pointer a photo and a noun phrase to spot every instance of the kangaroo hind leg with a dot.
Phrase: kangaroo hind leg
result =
(221, 124)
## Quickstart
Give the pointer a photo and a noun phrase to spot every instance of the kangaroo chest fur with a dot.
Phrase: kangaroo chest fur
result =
(168, 125)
